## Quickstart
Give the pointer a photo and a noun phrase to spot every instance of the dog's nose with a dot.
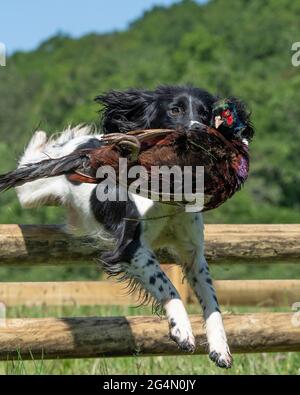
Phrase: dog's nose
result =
(195, 125)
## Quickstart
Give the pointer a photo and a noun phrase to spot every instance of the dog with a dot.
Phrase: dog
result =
(154, 225)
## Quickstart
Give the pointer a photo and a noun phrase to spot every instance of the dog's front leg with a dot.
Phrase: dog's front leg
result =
(189, 232)
(199, 278)
(144, 270)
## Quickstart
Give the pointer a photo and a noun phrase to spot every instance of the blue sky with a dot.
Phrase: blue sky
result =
(25, 23)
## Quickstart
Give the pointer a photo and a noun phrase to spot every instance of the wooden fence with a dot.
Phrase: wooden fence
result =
(50, 244)
(123, 336)
(91, 337)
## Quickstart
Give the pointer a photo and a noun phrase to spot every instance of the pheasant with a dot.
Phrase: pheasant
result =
(222, 149)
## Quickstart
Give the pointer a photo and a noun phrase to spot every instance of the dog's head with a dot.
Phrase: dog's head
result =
(168, 107)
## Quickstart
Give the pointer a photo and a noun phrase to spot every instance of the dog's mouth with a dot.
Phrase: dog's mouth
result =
(198, 127)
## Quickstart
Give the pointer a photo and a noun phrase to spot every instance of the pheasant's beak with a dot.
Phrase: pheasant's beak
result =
(218, 121)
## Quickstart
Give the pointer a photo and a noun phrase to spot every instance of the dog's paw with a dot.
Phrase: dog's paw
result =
(221, 356)
(182, 334)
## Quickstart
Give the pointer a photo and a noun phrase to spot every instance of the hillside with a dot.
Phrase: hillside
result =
(234, 47)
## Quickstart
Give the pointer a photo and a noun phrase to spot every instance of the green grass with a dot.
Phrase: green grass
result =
(277, 363)
(280, 270)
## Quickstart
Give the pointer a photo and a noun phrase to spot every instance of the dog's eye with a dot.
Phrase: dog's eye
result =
(176, 111)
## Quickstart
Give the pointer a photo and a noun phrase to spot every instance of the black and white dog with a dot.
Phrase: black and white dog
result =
(134, 258)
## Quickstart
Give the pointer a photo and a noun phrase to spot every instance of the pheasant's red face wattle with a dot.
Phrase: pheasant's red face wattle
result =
(227, 115)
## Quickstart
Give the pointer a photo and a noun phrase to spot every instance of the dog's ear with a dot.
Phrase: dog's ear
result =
(128, 110)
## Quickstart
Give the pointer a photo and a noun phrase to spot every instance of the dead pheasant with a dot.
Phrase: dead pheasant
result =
(222, 149)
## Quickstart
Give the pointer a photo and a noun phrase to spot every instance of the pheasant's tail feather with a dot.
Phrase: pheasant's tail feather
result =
(44, 169)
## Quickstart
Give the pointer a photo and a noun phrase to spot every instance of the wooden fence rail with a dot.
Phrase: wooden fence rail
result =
(123, 336)
(92, 293)
(28, 244)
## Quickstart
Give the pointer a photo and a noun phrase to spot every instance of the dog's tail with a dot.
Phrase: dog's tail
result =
(47, 168)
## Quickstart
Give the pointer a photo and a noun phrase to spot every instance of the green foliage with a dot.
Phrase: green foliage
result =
(235, 47)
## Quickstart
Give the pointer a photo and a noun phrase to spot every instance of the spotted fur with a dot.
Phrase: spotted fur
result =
(136, 241)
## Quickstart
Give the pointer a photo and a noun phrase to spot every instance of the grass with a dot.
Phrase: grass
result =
(280, 270)
(253, 364)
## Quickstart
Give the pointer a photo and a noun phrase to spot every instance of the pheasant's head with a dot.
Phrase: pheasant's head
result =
(231, 118)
